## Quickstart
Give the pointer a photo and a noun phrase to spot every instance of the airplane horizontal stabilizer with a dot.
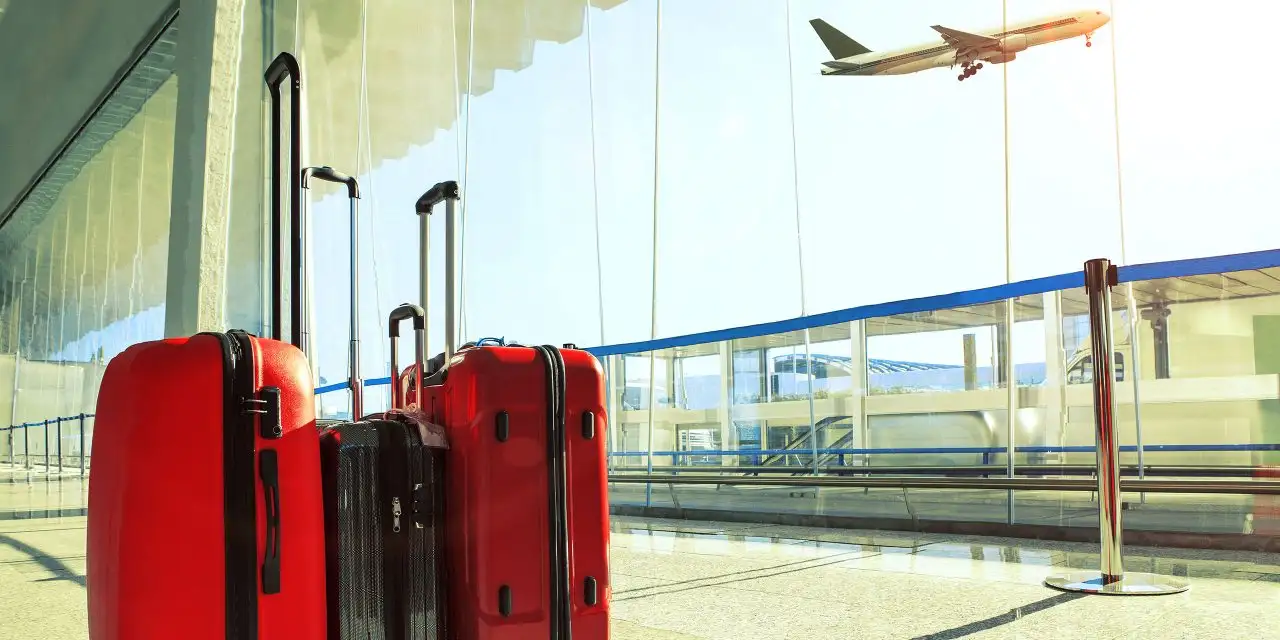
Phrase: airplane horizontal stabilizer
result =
(842, 66)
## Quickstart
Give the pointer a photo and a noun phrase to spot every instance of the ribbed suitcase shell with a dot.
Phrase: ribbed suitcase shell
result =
(357, 515)
(174, 547)
(496, 494)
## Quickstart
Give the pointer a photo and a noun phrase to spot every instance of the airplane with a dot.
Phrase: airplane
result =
(969, 50)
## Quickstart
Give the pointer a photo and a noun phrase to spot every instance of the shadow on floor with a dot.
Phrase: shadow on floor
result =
(1004, 618)
(55, 566)
(740, 576)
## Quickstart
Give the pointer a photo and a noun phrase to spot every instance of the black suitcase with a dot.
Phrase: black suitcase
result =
(383, 479)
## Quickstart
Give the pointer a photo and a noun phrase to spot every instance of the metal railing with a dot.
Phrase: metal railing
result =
(82, 433)
(1259, 487)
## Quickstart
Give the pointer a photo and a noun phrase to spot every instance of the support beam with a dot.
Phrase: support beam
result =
(208, 68)
(1055, 374)
(724, 410)
(858, 385)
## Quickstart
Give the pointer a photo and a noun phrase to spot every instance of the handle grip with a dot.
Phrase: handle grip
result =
(398, 315)
(268, 470)
(447, 190)
(404, 312)
(284, 65)
(329, 174)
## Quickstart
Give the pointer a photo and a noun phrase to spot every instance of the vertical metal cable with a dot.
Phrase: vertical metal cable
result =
(1009, 316)
(135, 286)
(795, 185)
(1135, 367)
(653, 284)
(364, 131)
(595, 173)
(466, 172)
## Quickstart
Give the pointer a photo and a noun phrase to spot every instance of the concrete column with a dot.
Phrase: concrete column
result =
(209, 78)
(859, 385)
(724, 410)
(1055, 374)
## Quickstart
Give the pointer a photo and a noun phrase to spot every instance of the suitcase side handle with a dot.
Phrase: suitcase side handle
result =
(398, 315)
(286, 66)
(329, 174)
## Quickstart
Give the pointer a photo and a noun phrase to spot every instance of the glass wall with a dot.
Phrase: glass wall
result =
(923, 394)
(86, 256)
(642, 169)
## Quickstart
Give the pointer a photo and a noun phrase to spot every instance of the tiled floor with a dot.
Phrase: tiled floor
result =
(679, 580)
(709, 580)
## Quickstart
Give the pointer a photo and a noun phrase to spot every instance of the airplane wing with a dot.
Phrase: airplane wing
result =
(964, 39)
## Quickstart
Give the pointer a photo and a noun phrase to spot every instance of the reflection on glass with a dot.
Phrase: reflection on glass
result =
(85, 276)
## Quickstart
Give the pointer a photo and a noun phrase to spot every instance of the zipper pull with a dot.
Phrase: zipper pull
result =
(395, 514)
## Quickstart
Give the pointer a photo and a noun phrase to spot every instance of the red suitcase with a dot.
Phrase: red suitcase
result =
(526, 507)
(206, 519)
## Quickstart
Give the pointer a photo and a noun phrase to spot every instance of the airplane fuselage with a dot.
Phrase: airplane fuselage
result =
(1013, 37)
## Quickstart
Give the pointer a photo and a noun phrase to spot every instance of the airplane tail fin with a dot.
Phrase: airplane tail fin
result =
(840, 45)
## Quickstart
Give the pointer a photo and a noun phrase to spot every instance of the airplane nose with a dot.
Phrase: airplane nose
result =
(1103, 17)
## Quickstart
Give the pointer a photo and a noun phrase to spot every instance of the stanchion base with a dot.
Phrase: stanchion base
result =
(1132, 584)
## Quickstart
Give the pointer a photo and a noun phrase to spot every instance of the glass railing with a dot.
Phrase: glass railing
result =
(921, 389)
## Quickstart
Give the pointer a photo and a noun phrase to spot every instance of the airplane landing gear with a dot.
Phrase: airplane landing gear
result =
(970, 68)
(1088, 39)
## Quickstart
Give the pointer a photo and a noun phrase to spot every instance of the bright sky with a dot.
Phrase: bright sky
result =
(881, 188)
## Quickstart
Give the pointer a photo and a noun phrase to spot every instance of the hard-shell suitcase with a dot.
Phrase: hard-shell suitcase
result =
(206, 518)
(382, 479)
(526, 507)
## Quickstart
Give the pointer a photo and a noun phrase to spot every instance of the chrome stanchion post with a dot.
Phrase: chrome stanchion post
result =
(46, 446)
(59, 446)
(1111, 579)
(26, 447)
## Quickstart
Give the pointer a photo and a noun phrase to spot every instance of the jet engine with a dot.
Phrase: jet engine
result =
(1002, 58)
(1013, 44)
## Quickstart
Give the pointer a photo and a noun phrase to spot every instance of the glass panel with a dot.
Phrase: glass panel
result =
(530, 238)
(623, 89)
(726, 188)
(862, 145)
(936, 387)
(85, 276)
(1207, 383)
(1062, 144)
(1222, 158)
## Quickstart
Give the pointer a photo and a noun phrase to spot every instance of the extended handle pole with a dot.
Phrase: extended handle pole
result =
(446, 192)
(328, 174)
(450, 286)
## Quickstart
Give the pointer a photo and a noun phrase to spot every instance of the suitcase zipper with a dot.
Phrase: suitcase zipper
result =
(558, 536)
(239, 478)
(395, 514)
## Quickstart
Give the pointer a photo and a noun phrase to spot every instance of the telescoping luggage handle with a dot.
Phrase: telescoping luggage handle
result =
(446, 192)
(286, 66)
(328, 174)
(399, 314)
